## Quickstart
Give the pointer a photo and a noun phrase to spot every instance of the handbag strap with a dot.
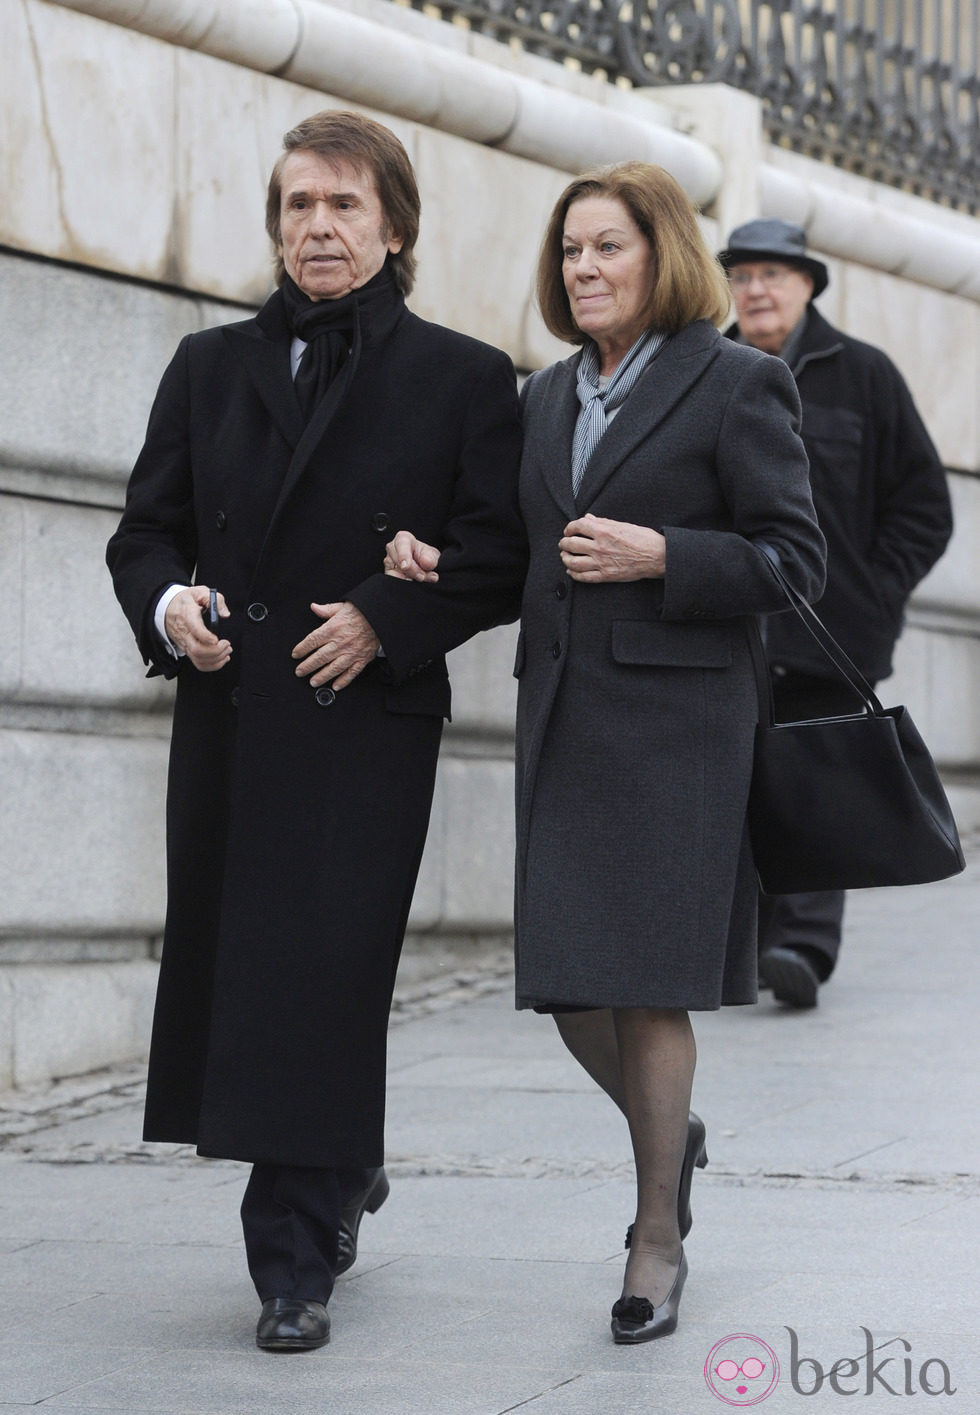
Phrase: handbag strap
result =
(819, 632)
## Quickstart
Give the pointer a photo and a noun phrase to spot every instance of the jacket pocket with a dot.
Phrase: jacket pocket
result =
(428, 694)
(519, 656)
(646, 642)
(834, 442)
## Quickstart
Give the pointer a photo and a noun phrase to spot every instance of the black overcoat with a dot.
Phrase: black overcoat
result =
(296, 817)
(637, 702)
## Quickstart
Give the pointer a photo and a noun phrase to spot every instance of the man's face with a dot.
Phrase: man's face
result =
(770, 298)
(334, 235)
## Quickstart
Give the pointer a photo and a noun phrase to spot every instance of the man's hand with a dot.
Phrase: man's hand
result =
(339, 649)
(595, 550)
(186, 629)
(408, 558)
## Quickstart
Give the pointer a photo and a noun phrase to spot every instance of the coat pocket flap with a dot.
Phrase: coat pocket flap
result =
(519, 655)
(646, 641)
(429, 693)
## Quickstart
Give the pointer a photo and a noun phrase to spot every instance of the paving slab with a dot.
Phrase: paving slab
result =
(843, 1196)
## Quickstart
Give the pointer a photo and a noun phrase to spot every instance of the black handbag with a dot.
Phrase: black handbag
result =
(846, 802)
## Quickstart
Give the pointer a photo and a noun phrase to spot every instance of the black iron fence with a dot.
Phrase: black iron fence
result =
(888, 88)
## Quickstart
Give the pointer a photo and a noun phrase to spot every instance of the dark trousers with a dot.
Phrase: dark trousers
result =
(291, 1218)
(813, 921)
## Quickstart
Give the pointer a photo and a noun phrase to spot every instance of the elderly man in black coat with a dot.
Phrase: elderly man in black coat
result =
(881, 497)
(280, 453)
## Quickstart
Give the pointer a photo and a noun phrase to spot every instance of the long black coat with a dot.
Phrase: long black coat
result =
(637, 702)
(881, 497)
(296, 818)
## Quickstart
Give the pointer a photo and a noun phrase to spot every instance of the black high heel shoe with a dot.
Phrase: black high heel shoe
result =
(636, 1319)
(695, 1154)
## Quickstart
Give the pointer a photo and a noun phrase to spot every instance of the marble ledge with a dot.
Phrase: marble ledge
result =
(146, 715)
(50, 949)
(76, 486)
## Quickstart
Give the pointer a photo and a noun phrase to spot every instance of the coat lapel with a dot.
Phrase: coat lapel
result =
(662, 385)
(377, 332)
(313, 433)
(263, 346)
(555, 414)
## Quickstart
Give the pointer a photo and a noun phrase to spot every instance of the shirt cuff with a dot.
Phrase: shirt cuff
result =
(160, 618)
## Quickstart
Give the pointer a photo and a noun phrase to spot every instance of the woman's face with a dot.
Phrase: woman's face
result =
(607, 266)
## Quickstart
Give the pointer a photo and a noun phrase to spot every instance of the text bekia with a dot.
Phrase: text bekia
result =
(896, 1374)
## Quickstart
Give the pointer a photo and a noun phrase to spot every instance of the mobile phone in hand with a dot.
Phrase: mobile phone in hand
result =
(210, 615)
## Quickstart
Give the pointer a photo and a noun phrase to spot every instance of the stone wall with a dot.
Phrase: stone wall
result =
(135, 156)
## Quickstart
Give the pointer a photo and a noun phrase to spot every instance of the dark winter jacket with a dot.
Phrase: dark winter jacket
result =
(880, 493)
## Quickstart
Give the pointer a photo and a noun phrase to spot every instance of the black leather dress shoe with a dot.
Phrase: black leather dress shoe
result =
(369, 1199)
(291, 1324)
(636, 1319)
(695, 1155)
(791, 975)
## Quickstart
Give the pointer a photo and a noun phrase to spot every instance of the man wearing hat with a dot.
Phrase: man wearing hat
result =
(881, 497)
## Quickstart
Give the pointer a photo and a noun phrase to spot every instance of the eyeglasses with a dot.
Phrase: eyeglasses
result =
(769, 276)
(750, 1369)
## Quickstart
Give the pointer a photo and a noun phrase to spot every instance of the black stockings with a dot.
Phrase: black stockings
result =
(644, 1058)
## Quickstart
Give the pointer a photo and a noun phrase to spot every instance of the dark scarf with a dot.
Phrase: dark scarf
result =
(334, 331)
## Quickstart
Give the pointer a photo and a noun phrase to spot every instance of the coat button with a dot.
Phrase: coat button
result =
(556, 649)
(221, 520)
(561, 591)
(324, 697)
(380, 522)
(236, 695)
(257, 612)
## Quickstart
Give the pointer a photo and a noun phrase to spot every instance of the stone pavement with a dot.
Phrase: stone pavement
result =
(842, 1198)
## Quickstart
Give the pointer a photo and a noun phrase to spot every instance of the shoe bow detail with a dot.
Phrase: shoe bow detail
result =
(633, 1309)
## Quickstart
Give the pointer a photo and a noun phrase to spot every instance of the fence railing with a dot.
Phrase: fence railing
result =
(888, 88)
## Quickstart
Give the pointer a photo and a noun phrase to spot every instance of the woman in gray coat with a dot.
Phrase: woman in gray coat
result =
(662, 466)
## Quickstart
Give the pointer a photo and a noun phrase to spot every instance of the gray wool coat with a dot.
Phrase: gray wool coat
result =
(637, 702)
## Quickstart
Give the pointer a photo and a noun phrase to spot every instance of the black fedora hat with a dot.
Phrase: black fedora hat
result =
(774, 240)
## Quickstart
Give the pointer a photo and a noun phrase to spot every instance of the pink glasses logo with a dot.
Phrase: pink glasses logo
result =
(741, 1370)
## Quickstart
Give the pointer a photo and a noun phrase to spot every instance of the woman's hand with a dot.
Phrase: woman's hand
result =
(408, 558)
(596, 551)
